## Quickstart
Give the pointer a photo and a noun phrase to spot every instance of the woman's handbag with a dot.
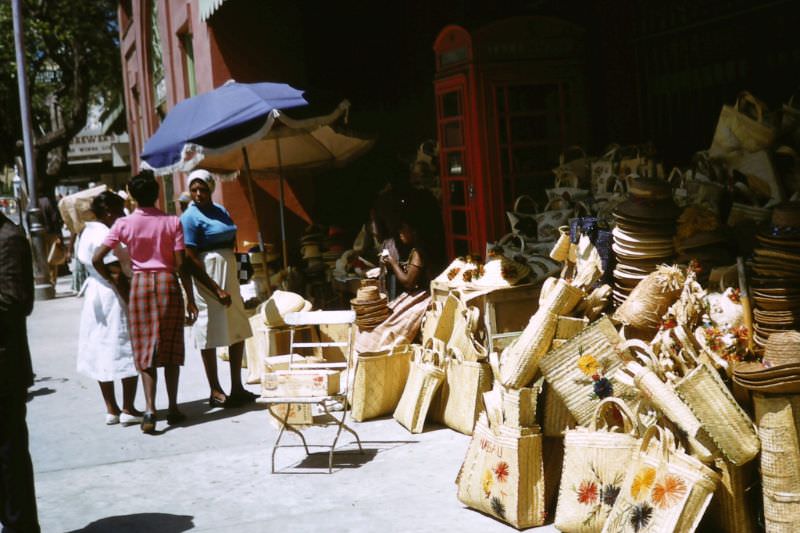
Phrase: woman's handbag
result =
(522, 217)
(742, 127)
(595, 462)
(664, 490)
(549, 220)
(424, 379)
(56, 252)
(460, 398)
(584, 370)
(502, 474)
(380, 379)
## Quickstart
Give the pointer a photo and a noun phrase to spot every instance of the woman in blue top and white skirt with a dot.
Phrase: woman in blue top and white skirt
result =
(210, 237)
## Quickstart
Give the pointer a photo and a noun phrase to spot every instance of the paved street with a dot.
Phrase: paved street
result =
(212, 472)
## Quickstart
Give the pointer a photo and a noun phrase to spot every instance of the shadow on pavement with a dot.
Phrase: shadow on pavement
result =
(44, 391)
(134, 523)
(346, 456)
(199, 412)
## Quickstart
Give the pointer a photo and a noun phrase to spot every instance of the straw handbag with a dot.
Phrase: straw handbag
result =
(595, 462)
(556, 418)
(521, 218)
(462, 339)
(664, 489)
(603, 172)
(584, 370)
(728, 426)
(777, 418)
(549, 220)
(459, 401)
(380, 378)
(731, 509)
(651, 298)
(738, 130)
(520, 360)
(517, 407)
(574, 161)
(424, 378)
(502, 474)
(430, 321)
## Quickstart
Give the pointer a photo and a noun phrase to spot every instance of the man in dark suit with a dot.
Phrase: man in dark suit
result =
(17, 495)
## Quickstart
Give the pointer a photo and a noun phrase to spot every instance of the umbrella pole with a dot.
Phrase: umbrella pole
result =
(283, 216)
(249, 180)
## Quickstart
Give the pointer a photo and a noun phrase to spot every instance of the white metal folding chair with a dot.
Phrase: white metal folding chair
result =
(309, 320)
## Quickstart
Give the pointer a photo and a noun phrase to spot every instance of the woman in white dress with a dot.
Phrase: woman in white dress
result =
(104, 346)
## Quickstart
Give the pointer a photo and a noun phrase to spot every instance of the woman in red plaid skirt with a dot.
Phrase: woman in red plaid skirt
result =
(156, 307)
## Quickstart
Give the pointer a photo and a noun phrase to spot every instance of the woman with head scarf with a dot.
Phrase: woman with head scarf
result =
(210, 237)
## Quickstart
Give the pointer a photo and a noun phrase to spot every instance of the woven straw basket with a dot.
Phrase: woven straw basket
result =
(556, 418)
(458, 403)
(651, 298)
(518, 405)
(520, 360)
(731, 510)
(380, 378)
(567, 327)
(595, 462)
(424, 379)
(777, 418)
(430, 321)
(560, 369)
(723, 420)
(502, 474)
(664, 490)
(462, 337)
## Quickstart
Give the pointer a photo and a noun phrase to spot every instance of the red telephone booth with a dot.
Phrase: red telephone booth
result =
(509, 98)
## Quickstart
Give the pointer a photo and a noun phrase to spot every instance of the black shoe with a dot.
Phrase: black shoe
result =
(241, 398)
(175, 418)
(149, 423)
(213, 401)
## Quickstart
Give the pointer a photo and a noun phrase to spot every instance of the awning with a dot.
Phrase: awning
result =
(208, 7)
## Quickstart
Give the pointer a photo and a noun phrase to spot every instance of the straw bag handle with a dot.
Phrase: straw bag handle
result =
(511, 236)
(620, 186)
(525, 198)
(581, 207)
(758, 106)
(574, 149)
(681, 179)
(611, 152)
(548, 205)
(662, 441)
(472, 314)
(627, 417)
(566, 178)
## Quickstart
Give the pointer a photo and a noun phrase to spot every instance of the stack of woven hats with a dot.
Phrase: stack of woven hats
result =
(645, 226)
(311, 248)
(780, 371)
(775, 274)
(371, 306)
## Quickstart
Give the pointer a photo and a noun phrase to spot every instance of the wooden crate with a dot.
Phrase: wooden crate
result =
(300, 383)
(506, 312)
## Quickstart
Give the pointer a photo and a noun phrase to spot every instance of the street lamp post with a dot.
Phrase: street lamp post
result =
(43, 288)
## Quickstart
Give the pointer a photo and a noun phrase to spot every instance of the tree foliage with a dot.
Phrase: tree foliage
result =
(72, 53)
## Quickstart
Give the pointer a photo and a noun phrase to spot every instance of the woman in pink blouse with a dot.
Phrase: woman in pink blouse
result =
(156, 307)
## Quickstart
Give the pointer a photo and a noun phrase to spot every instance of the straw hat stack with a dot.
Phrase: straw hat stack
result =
(645, 226)
(311, 249)
(775, 274)
(780, 371)
(371, 306)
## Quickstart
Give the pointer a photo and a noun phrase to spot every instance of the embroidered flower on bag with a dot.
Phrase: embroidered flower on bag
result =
(603, 388)
(588, 493)
(609, 494)
(588, 365)
(452, 273)
(640, 516)
(501, 471)
(642, 482)
(668, 492)
(486, 482)
(497, 507)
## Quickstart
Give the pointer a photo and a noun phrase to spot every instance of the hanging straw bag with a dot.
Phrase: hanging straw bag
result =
(380, 379)
(664, 489)
(502, 474)
(574, 161)
(603, 172)
(777, 418)
(522, 217)
(424, 379)
(549, 220)
(566, 190)
(595, 462)
(430, 321)
(460, 398)
(584, 370)
(742, 127)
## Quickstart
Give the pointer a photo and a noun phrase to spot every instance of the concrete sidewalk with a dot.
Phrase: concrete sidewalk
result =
(212, 473)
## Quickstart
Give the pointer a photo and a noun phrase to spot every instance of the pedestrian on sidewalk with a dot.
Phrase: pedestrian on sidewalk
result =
(17, 494)
(210, 237)
(104, 344)
(156, 308)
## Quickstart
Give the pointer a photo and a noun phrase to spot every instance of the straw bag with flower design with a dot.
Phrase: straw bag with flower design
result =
(664, 490)
(595, 460)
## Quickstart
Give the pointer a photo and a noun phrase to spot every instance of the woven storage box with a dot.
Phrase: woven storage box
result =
(595, 462)
(380, 378)
(664, 489)
(563, 370)
(502, 474)
(777, 418)
(723, 420)
(459, 403)
(425, 376)
(300, 383)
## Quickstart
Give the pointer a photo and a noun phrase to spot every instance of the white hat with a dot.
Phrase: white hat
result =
(204, 175)
(280, 304)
